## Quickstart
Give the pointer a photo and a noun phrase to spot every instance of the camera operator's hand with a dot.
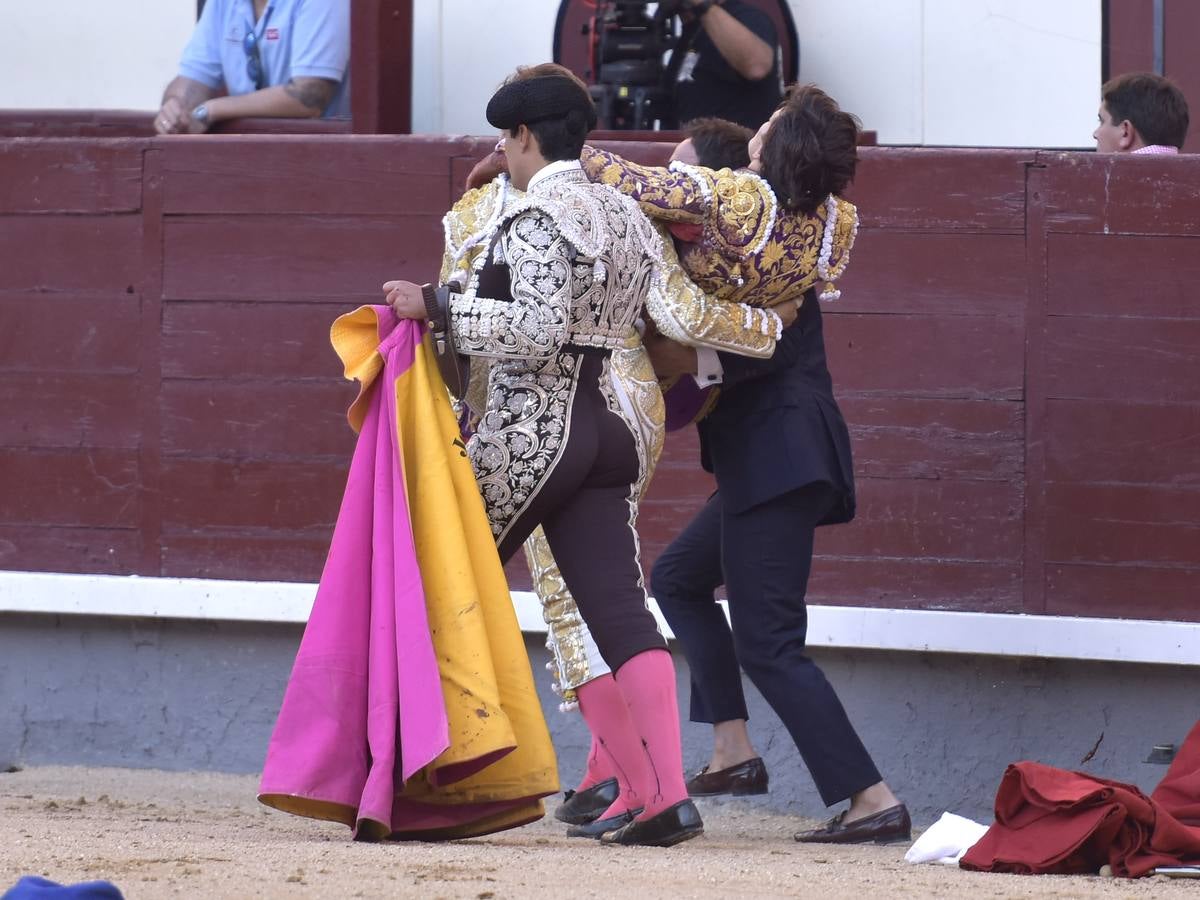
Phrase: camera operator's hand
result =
(495, 163)
(748, 54)
(694, 8)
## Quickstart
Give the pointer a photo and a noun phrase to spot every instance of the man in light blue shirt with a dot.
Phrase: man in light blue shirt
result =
(273, 58)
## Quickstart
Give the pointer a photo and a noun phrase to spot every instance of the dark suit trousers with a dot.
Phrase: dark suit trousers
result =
(763, 555)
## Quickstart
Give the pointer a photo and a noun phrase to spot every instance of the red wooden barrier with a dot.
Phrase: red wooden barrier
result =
(1014, 351)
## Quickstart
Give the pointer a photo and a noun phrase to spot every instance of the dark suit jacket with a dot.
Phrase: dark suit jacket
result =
(776, 426)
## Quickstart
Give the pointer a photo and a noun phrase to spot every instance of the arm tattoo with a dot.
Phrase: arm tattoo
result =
(189, 91)
(315, 93)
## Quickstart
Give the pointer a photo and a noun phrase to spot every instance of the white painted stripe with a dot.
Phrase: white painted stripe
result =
(933, 631)
(165, 598)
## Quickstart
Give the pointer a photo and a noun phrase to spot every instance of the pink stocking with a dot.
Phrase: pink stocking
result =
(648, 683)
(599, 767)
(603, 706)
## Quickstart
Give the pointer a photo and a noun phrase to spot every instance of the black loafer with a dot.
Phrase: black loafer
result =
(600, 827)
(888, 826)
(581, 807)
(745, 779)
(672, 826)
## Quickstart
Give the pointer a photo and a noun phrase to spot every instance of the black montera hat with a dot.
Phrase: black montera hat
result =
(542, 97)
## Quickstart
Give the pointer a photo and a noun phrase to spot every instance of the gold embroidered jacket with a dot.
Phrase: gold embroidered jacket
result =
(751, 251)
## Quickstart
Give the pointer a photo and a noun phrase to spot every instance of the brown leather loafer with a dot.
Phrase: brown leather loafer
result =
(581, 807)
(888, 826)
(744, 779)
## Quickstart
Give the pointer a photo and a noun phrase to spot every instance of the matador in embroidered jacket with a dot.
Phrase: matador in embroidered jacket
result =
(680, 310)
(562, 442)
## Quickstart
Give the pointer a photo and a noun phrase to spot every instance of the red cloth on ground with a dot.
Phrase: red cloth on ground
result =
(1179, 791)
(1051, 821)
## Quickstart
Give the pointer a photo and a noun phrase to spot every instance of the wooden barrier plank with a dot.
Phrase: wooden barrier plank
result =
(1136, 525)
(274, 554)
(1124, 275)
(682, 446)
(265, 257)
(1107, 441)
(1152, 360)
(945, 274)
(252, 340)
(201, 494)
(34, 547)
(60, 333)
(936, 520)
(914, 583)
(69, 411)
(150, 364)
(1124, 591)
(941, 190)
(43, 176)
(971, 357)
(1036, 380)
(395, 176)
(81, 255)
(684, 483)
(893, 437)
(256, 420)
(89, 487)
(955, 329)
(898, 437)
(898, 188)
(1109, 193)
(460, 168)
(39, 124)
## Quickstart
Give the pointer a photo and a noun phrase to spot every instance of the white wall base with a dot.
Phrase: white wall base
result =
(859, 628)
(934, 631)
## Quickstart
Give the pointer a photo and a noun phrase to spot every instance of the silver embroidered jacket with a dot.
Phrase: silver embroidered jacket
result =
(582, 260)
(469, 229)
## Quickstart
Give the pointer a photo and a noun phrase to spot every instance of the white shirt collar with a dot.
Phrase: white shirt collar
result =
(555, 168)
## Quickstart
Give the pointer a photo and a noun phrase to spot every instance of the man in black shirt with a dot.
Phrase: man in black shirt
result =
(732, 67)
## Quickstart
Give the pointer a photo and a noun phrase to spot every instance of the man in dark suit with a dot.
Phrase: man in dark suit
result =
(780, 451)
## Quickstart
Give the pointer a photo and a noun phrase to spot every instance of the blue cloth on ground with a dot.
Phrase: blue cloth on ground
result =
(32, 887)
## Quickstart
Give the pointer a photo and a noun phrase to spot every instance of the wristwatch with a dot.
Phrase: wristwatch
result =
(200, 114)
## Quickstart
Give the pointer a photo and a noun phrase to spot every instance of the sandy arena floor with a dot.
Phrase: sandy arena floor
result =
(165, 834)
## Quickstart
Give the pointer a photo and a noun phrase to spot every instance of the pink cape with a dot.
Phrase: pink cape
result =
(365, 711)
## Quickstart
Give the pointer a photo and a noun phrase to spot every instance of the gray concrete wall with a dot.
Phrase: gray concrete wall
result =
(183, 695)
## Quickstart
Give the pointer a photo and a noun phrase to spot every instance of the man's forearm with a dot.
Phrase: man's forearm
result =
(300, 98)
(189, 92)
(751, 56)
